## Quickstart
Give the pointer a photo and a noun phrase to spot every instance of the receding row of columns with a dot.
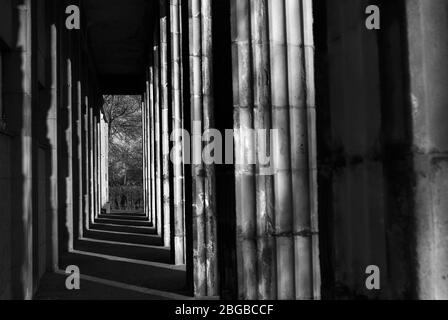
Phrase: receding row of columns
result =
(81, 141)
(163, 116)
(273, 86)
(273, 89)
(58, 141)
(163, 185)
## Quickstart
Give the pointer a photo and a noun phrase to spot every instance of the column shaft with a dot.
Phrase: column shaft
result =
(203, 176)
(17, 95)
(274, 89)
(157, 138)
(199, 253)
(164, 101)
(245, 180)
(144, 150)
(427, 21)
(65, 127)
(85, 152)
(298, 114)
(152, 145)
(209, 124)
(52, 136)
(91, 161)
(179, 214)
(77, 138)
(262, 124)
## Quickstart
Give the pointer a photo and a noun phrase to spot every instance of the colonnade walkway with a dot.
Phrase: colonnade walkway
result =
(287, 148)
(120, 257)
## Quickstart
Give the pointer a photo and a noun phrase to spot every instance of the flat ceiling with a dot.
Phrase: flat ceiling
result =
(119, 37)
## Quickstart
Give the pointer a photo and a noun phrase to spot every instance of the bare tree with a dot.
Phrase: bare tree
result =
(124, 116)
(125, 139)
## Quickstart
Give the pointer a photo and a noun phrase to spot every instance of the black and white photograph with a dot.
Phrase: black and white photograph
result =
(227, 152)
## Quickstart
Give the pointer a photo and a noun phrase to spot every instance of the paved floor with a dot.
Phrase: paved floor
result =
(121, 257)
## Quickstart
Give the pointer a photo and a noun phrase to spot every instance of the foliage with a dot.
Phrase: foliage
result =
(125, 139)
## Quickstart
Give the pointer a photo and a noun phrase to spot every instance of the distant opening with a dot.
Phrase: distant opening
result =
(125, 160)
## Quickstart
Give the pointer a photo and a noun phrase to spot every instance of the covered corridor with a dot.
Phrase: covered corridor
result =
(347, 167)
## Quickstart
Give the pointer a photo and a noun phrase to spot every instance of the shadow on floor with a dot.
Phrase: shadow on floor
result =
(121, 257)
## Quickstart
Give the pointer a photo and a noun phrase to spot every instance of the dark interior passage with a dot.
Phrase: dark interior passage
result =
(327, 139)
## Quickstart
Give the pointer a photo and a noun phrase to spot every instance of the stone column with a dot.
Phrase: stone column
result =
(102, 164)
(100, 161)
(148, 152)
(104, 171)
(91, 161)
(77, 136)
(428, 52)
(65, 127)
(52, 136)
(157, 136)
(152, 145)
(244, 170)
(144, 148)
(149, 198)
(85, 145)
(176, 84)
(106, 168)
(97, 161)
(274, 89)
(165, 116)
(204, 211)
(17, 95)
(299, 28)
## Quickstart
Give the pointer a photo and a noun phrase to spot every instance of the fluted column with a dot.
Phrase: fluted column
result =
(147, 151)
(274, 89)
(95, 160)
(100, 161)
(17, 95)
(103, 163)
(144, 151)
(204, 211)
(52, 136)
(106, 168)
(85, 140)
(91, 161)
(301, 112)
(150, 152)
(77, 137)
(165, 117)
(244, 170)
(65, 127)
(264, 181)
(157, 135)
(176, 80)
(152, 147)
(428, 50)
(86, 150)
(148, 155)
